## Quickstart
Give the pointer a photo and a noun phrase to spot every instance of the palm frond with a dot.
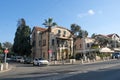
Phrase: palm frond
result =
(49, 22)
(54, 24)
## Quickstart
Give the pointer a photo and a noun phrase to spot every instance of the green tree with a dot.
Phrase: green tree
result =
(93, 35)
(22, 44)
(49, 23)
(1, 49)
(102, 40)
(82, 33)
(75, 30)
(7, 45)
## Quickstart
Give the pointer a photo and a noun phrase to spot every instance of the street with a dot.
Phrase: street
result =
(112, 73)
(107, 70)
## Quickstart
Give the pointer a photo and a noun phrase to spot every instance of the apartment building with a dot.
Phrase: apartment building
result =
(83, 46)
(115, 38)
(60, 43)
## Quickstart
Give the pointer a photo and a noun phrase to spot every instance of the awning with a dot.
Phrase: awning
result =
(105, 50)
(116, 49)
(86, 50)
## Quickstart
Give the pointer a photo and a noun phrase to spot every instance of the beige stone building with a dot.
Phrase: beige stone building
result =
(83, 46)
(60, 43)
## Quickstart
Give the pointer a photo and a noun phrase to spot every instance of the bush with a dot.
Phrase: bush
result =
(101, 55)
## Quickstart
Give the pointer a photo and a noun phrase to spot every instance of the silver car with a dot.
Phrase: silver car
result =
(40, 62)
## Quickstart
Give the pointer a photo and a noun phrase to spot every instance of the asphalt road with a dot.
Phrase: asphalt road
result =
(112, 73)
(108, 70)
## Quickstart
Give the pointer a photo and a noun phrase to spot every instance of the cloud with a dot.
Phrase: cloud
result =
(90, 12)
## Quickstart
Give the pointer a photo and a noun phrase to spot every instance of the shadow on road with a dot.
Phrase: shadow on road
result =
(101, 74)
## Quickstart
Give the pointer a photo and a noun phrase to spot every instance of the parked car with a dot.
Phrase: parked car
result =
(19, 59)
(116, 55)
(28, 61)
(40, 62)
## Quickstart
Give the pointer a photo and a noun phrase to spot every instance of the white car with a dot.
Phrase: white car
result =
(19, 58)
(40, 62)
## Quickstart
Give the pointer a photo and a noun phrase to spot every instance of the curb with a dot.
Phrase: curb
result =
(5, 70)
(10, 68)
(58, 64)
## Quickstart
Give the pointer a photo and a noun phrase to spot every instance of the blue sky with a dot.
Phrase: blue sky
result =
(95, 16)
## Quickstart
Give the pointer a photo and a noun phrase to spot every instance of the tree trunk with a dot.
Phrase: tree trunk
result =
(49, 30)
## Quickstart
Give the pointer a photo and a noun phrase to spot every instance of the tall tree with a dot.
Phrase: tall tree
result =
(22, 44)
(49, 23)
(75, 30)
(82, 33)
(93, 35)
(1, 49)
(7, 45)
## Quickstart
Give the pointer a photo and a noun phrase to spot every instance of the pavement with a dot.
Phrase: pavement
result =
(79, 62)
(9, 68)
(53, 63)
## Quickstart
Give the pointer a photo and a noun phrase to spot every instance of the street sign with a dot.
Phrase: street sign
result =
(50, 51)
(6, 51)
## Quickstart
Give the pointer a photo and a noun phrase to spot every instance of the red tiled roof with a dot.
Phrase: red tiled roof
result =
(110, 35)
(40, 29)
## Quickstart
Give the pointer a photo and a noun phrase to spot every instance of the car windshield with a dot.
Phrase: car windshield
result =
(117, 53)
(41, 59)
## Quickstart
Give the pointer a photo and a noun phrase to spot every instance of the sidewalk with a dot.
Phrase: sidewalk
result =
(54, 63)
(4, 70)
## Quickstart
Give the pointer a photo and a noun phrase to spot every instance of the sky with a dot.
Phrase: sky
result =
(95, 16)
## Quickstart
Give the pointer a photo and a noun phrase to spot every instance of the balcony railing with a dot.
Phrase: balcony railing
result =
(58, 34)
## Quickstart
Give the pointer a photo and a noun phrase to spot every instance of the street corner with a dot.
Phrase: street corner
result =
(4, 69)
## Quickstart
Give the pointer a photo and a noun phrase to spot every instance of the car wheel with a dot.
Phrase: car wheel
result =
(33, 64)
(38, 64)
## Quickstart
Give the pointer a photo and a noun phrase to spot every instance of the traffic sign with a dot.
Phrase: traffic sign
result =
(6, 51)
(50, 51)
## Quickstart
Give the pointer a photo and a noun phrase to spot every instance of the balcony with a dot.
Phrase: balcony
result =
(58, 34)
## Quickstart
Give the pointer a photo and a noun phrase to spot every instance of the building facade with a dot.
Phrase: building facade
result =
(83, 47)
(60, 43)
(115, 40)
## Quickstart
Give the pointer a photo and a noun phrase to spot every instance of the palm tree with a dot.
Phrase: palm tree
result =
(75, 29)
(49, 23)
